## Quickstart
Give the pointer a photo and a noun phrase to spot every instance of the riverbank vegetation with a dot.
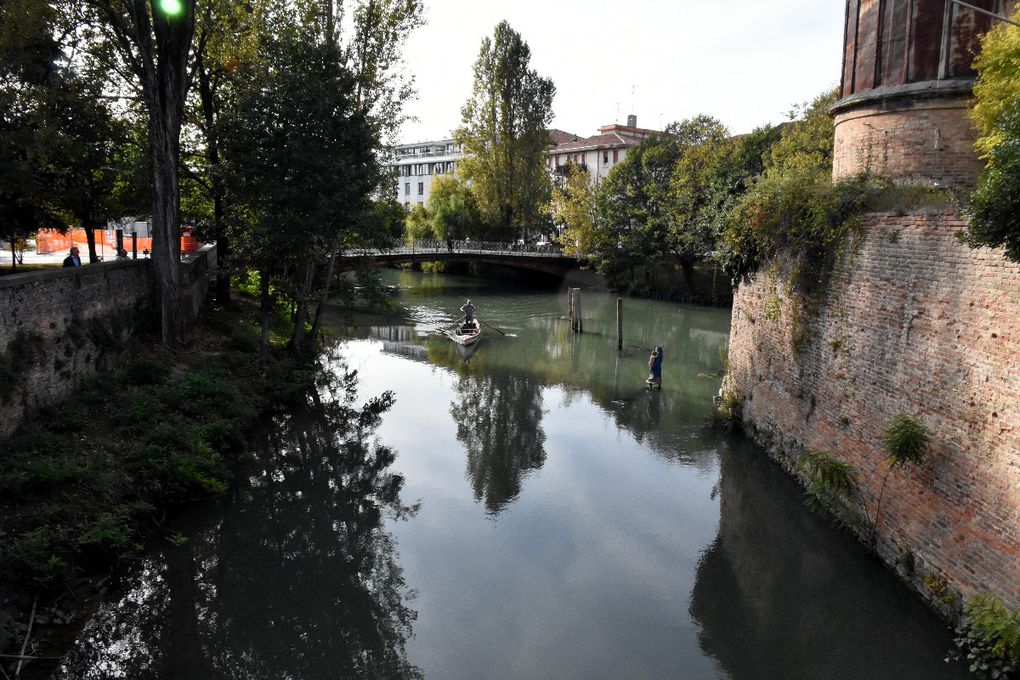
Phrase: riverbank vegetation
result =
(87, 483)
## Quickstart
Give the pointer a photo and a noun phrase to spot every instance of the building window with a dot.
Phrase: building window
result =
(407, 188)
(616, 155)
(605, 157)
(421, 188)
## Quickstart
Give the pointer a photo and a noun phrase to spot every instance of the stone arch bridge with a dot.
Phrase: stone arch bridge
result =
(546, 259)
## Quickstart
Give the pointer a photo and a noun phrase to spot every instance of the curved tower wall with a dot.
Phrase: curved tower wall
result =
(906, 89)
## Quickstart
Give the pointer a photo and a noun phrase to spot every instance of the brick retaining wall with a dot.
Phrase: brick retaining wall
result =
(916, 323)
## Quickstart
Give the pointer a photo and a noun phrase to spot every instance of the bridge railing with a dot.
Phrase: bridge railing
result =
(466, 247)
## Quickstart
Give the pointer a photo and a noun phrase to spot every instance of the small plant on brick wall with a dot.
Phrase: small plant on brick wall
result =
(989, 638)
(829, 477)
(906, 443)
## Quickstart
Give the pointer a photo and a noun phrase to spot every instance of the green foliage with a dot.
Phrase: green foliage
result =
(504, 135)
(451, 212)
(146, 370)
(996, 91)
(245, 339)
(997, 624)
(574, 206)
(115, 532)
(906, 441)
(989, 638)
(806, 143)
(828, 475)
(801, 213)
(995, 205)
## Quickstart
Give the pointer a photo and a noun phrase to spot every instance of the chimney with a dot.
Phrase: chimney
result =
(632, 121)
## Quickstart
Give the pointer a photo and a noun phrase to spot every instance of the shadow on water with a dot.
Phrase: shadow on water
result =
(295, 577)
(781, 593)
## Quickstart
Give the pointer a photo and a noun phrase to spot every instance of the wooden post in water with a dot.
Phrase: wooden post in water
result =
(579, 310)
(570, 306)
(619, 324)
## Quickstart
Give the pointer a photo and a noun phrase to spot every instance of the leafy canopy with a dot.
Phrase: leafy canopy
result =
(995, 206)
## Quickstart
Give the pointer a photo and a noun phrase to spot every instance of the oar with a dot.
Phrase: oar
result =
(492, 327)
(454, 324)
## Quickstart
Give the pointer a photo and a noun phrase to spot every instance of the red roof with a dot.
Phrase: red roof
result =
(607, 141)
(561, 137)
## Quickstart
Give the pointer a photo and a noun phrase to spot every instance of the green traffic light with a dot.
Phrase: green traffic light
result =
(171, 7)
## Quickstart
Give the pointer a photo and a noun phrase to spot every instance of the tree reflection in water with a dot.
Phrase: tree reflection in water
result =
(499, 422)
(295, 577)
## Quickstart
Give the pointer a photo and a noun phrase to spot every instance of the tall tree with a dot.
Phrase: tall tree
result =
(299, 151)
(153, 40)
(504, 134)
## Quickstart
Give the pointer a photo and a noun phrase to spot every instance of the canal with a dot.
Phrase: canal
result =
(526, 510)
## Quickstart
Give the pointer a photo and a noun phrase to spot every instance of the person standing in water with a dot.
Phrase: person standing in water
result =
(655, 368)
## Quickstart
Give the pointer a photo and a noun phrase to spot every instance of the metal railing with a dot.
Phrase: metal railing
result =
(464, 247)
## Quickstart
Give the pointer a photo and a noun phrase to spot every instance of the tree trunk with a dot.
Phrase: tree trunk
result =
(166, 220)
(316, 323)
(164, 77)
(207, 95)
(264, 315)
(14, 254)
(90, 238)
(301, 314)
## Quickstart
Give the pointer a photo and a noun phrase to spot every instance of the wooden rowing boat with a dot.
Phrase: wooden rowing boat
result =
(467, 333)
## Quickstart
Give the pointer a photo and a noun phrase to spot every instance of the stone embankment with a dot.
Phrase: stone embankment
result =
(62, 327)
(912, 322)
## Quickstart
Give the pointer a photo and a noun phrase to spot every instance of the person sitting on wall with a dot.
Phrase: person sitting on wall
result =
(122, 254)
(72, 260)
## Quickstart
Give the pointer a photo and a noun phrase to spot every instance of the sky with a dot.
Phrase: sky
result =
(746, 62)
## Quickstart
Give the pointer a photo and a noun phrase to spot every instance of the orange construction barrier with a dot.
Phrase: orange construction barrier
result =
(52, 241)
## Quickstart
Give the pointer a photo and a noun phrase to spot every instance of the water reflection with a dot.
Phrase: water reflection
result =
(781, 593)
(296, 578)
(499, 422)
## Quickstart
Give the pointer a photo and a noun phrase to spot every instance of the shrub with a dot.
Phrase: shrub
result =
(146, 371)
(906, 441)
(989, 638)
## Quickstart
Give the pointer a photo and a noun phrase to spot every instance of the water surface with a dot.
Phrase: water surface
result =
(527, 510)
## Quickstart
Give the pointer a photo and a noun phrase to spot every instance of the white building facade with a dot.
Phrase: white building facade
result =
(600, 153)
(417, 164)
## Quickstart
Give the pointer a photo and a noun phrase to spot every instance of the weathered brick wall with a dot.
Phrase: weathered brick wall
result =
(912, 323)
(61, 327)
(929, 140)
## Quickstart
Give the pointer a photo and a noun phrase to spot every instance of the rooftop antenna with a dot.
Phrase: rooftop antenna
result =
(632, 110)
(617, 120)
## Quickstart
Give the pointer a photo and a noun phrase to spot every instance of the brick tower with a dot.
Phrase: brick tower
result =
(906, 89)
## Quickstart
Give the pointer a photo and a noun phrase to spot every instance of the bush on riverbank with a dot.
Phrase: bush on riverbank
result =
(83, 484)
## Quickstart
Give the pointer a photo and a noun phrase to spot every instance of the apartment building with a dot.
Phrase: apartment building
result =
(417, 164)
